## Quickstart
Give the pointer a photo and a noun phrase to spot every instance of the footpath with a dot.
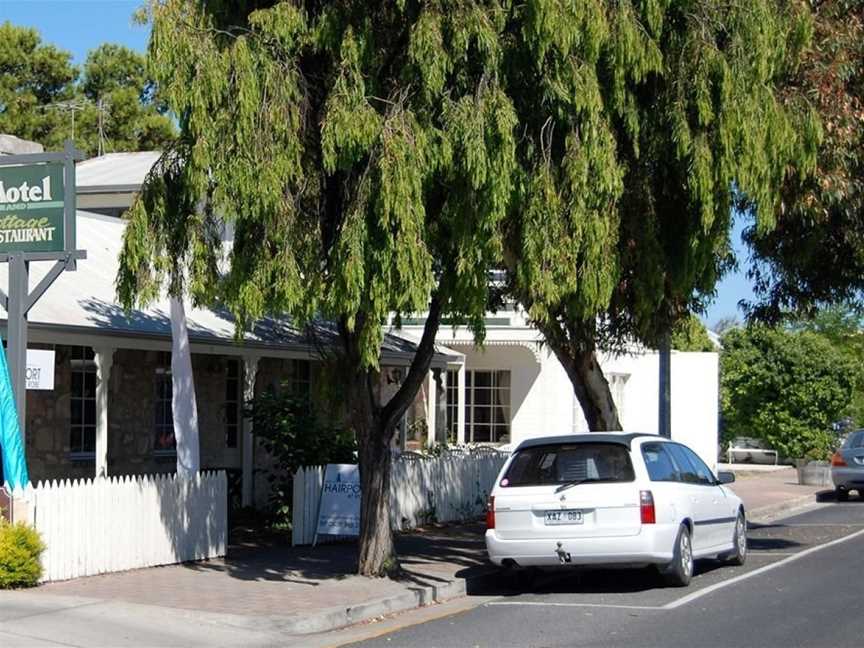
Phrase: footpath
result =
(263, 592)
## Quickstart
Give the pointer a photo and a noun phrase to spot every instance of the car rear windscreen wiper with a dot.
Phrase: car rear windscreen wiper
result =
(588, 480)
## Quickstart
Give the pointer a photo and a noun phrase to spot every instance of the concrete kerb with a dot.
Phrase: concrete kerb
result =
(414, 597)
(772, 511)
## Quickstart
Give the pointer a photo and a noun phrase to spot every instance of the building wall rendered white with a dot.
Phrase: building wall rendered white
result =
(543, 400)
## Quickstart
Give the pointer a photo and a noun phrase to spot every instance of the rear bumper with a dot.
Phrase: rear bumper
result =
(848, 477)
(652, 545)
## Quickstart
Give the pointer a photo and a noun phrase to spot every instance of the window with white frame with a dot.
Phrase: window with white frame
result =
(82, 403)
(452, 406)
(617, 383)
(164, 440)
(487, 406)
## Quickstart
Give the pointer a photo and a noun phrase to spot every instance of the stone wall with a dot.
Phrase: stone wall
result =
(131, 418)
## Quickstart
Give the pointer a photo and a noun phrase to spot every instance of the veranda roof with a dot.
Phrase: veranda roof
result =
(84, 301)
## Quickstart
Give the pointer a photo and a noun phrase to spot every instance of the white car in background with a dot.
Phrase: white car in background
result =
(613, 499)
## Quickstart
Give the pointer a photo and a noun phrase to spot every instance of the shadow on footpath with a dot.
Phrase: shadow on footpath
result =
(274, 559)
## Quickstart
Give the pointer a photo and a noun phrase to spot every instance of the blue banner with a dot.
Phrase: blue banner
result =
(14, 459)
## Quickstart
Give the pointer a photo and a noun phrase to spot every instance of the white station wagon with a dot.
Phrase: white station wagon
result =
(613, 499)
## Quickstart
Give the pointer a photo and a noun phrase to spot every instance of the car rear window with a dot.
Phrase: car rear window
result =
(855, 440)
(565, 463)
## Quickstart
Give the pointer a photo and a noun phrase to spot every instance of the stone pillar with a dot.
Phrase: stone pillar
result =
(431, 409)
(460, 407)
(104, 357)
(250, 372)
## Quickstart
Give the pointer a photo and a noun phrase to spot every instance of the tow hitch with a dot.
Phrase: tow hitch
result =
(563, 556)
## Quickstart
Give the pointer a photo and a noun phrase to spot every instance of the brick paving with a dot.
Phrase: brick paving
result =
(773, 489)
(277, 580)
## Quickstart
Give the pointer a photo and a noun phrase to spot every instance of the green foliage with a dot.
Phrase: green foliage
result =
(34, 76)
(689, 334)
(786, 387)
(114, 81)
(644, 124)
(295, 436)
(841, 326)
(20, 549)
(365, 157)
(815, 255)
(39, 86)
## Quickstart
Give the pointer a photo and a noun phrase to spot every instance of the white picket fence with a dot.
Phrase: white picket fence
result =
(449, 488)
(96, 526)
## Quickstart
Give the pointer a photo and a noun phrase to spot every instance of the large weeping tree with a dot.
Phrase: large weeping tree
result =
(642, 124)
(361, 152)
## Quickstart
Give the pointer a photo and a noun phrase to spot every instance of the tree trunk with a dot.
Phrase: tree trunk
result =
(589, 384)
(592, 391)
(377, 551)
(375, 425)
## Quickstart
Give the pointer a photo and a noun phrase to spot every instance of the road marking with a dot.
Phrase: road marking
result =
(586, 605)
(795, 526)
(732, 581)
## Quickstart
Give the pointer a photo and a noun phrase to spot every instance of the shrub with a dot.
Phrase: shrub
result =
(20, 548)
(785, 387)
(295, 435)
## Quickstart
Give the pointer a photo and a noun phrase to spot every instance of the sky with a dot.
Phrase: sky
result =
(81, 25)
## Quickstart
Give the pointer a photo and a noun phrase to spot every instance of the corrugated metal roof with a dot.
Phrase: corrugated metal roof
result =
(122, 170)
(85, 300)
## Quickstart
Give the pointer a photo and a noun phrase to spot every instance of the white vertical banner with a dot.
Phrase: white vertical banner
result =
(183, 403)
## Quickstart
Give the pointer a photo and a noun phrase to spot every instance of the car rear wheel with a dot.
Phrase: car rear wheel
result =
(842, 494)
(679, 572)
(739, 553)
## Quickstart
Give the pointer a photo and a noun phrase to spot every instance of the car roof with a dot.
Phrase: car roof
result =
(620, 438)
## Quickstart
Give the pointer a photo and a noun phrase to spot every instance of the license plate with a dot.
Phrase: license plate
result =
(563, 517)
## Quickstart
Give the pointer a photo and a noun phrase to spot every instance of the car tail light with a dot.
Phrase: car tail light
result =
(838, 460)
(646, 507)
(490, 512)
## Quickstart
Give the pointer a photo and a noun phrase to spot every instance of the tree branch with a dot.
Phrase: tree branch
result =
(396, 406)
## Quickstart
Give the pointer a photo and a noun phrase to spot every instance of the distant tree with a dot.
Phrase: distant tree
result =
(34, 76)
(841, 326)
(815, 254)
(121, 111)
(786, 387)
(41, 96)
(689, 334)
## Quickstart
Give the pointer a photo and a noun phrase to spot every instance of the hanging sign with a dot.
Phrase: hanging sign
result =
(339, 510)
(31, 208)
(40, 369)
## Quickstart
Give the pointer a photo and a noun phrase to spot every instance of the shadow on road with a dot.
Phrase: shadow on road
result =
(831, 496)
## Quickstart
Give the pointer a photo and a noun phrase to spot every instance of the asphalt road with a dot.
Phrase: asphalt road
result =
(801, 586)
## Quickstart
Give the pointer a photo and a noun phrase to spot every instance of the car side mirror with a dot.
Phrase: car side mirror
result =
(725, 477)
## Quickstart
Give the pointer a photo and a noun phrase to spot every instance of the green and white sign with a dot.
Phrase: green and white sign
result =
(31, 208)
